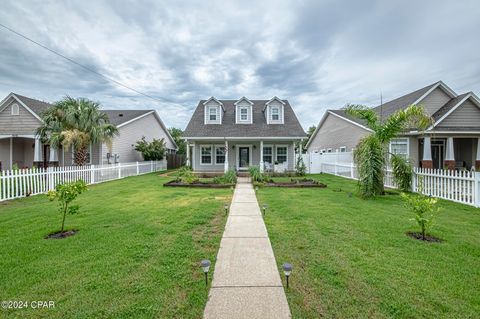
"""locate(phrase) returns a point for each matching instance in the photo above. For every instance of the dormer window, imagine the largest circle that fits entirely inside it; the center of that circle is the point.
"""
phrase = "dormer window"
(243, 114)
(213, 111)
(275, 113)
(244, 111)
(15, 109)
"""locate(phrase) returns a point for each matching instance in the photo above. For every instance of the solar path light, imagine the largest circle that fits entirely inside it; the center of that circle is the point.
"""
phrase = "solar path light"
(265, 206)
(225, 206)
(287, 269)
(205, 264)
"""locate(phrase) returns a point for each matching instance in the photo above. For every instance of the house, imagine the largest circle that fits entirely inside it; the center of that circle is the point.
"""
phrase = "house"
(20, 116)
(236, 134)
(452, 141)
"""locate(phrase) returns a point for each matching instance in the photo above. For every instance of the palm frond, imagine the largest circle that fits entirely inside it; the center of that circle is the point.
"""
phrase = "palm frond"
(364, 113)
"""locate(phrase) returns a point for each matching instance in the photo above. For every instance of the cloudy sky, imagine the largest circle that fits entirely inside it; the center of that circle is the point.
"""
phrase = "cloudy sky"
(318, 54)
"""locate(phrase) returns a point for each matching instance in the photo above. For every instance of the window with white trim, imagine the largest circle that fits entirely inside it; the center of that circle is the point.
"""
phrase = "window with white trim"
(212, 113)
(219, 154)
(281, 154)
(206, 154)
(399, 146)
(267, 154)
(275, 113)
(343, 149)
(244, 114)
(15, 109)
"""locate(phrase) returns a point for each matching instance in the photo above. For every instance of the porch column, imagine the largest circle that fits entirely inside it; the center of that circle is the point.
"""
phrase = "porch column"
(262, 168)
(37, 153)
(477, 158)
(53, 158)
(449, 161)
(193, 156)
(294, 156)
(225, 169)
(188, 153)
(427, 153)
(11, 152)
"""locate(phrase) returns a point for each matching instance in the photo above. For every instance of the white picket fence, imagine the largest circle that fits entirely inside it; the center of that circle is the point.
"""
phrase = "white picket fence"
(458, 186)
(33, 181)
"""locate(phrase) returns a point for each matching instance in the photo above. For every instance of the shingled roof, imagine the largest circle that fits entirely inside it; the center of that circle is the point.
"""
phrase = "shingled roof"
(116, 117)
(259, 128)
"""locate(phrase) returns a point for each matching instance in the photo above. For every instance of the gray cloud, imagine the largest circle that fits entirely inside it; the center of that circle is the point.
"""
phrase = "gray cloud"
(318, 54)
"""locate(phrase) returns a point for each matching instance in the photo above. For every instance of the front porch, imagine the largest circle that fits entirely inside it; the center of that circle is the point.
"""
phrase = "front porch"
(25, 151)
(239, 155)
(449, 152)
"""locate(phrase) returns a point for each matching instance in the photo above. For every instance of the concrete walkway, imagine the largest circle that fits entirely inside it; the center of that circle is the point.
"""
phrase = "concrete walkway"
(246, 282)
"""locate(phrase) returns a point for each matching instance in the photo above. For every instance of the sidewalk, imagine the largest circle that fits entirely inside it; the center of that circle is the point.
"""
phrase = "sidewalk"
(246, 282)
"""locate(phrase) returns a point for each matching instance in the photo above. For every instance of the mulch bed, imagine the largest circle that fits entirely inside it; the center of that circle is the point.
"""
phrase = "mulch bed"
(60, 235)
(296, 183)
(197, 184)
(418, 236)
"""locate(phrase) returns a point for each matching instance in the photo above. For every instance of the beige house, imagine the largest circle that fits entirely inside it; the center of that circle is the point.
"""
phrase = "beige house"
(20, 116)
(451, 142)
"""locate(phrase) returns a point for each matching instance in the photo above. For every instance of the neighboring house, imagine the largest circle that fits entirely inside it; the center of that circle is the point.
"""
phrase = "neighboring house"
(229, 134)
(20, 116)
(451, 142)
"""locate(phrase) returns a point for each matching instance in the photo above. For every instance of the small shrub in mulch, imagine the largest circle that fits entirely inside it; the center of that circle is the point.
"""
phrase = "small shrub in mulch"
(295, 183)
(428, 238)
(61, 234)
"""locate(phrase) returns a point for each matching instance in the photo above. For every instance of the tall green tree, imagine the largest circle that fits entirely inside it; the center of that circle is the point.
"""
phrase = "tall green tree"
(371, 153)
(78, 122)
(177, 134)
(310, 132)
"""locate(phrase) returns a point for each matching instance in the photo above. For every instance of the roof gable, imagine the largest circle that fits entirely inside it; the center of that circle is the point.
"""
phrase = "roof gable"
(454, 106)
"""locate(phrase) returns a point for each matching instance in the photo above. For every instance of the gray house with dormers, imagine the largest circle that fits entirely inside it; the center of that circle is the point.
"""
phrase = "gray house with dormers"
(237, 134)
(452, 141)
(20, 116)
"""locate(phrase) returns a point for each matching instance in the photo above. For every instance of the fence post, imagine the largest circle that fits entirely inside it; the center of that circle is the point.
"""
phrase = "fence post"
(151, 166)
(352, 168)
(476, 193)
(138, 169)
(50, 178)
(92, 174)
(119, 171)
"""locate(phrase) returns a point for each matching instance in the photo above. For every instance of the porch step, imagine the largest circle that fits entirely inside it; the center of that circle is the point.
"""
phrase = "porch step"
(243, 174)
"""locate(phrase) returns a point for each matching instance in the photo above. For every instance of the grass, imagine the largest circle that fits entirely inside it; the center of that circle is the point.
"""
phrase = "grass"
(352, 258)
(136, 254)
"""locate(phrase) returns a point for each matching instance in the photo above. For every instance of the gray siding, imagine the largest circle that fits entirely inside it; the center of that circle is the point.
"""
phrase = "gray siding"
(467, 114)
(413, 150)
(232, 154)
(123, 144)
(335, 133)
(434, 101)
(24, 123)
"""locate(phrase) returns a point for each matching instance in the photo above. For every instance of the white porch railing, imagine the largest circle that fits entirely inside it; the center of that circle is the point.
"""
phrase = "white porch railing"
(33, 181)
(458, 186)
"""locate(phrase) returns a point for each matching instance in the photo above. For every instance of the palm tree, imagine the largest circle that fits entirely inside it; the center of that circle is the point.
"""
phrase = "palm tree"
(78, 122)
(371, 153)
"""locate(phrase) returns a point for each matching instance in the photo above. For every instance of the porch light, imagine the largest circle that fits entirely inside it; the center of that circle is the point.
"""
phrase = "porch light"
(287, 269)
(265, 206)
(205, 264)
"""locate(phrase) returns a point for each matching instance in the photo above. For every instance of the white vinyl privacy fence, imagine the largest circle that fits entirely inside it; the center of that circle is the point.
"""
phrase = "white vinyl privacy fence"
(458, 186)
(26, 182)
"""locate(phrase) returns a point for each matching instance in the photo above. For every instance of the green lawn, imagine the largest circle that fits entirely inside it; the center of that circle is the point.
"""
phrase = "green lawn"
(136, 254)
(352, 258)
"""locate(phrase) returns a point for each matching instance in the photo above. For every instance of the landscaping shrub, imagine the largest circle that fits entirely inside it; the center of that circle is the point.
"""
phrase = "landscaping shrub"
(66, 194)
(186, 175)
(255, 173)
(402, 172)
(230, 177)
(151, 151)
(425, 210)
